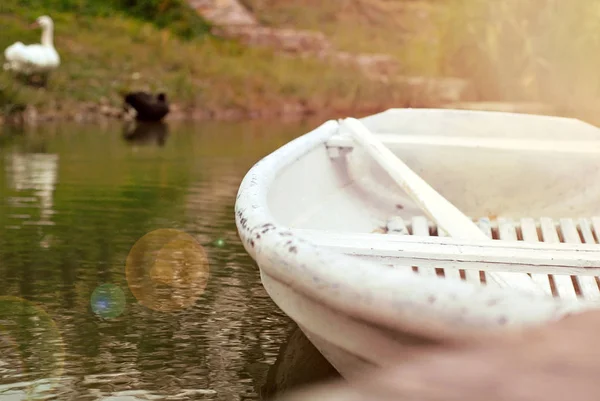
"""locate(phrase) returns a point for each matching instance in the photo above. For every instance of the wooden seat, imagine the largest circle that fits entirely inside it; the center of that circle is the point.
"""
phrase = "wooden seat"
(566, 263)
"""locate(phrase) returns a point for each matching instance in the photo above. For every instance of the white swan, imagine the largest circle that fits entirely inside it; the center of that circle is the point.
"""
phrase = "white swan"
(37, 58)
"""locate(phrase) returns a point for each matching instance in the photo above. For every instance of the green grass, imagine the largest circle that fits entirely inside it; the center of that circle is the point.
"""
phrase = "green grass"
(510, 50)
(172, 14)
(102, 55)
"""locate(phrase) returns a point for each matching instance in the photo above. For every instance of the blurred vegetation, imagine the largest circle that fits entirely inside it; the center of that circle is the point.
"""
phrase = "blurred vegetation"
(102, 55)
(510, 50)
(172, 14)
(525, 49)
(11, 100)
(513, 50)
(404, 29)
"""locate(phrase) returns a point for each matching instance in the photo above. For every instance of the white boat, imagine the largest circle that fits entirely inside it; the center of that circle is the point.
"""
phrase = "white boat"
(359, 250)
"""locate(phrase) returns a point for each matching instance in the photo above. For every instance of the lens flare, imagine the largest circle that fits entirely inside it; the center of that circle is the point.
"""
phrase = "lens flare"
(108, 301)
(167, 270)
(32, 337)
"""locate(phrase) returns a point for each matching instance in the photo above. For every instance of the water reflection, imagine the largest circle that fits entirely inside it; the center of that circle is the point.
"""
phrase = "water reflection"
(298, 364)
(141, 132)
(34, 173)
(101, 198)
(32, 349)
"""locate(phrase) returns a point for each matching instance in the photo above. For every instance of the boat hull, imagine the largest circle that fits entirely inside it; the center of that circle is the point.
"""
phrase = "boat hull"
(358, 312)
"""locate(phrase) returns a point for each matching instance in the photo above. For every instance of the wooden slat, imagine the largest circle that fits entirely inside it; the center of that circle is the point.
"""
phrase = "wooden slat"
(550, 258)
(485, 225)
(506, 229)
(587, 229)
(585, 225)
(420, 228)
(529, 232)
(565, 285)
(562, 283)
(474, 276)
(507, 232)
(449, 272)
(433, 204)
(596, 227)
(397, 226)
(587, 284)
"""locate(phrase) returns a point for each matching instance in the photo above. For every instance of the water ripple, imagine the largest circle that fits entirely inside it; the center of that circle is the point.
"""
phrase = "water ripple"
(71, 215)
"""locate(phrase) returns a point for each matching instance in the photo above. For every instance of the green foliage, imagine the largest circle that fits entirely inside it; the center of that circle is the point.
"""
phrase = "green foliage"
(524, 49)
(10, 96)
(175, 15)
(532, 50)
(105, 51)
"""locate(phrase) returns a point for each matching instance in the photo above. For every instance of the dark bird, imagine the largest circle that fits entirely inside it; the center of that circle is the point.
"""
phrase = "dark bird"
(147, 107)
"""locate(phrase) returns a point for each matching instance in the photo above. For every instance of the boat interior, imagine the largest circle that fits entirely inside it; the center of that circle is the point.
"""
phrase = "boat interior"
(518, 177)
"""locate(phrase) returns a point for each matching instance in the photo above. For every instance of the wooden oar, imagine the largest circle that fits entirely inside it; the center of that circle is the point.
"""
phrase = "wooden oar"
(438, 208)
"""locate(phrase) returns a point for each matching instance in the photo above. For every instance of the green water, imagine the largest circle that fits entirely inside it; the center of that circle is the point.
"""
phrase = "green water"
(75, 200)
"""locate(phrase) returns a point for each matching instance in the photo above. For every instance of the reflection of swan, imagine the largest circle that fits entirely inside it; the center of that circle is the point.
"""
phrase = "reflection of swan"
(144, 132)
(35, 171)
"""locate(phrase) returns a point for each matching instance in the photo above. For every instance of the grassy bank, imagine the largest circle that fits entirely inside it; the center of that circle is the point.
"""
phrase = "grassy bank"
(403, 29)
(510, 50)
(104, 53)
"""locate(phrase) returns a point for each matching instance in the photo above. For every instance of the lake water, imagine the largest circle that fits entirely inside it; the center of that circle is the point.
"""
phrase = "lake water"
(78, 202)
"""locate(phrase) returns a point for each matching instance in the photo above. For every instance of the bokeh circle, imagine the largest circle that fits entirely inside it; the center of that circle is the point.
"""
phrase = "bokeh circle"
(32, 345)
(167, 270)
(108, 301)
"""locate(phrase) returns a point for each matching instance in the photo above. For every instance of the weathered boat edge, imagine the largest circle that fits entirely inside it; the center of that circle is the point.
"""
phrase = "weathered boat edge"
(301, 277)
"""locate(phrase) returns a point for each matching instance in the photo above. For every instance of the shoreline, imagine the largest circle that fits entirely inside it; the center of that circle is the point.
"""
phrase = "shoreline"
(103, 112)
(98, 113)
